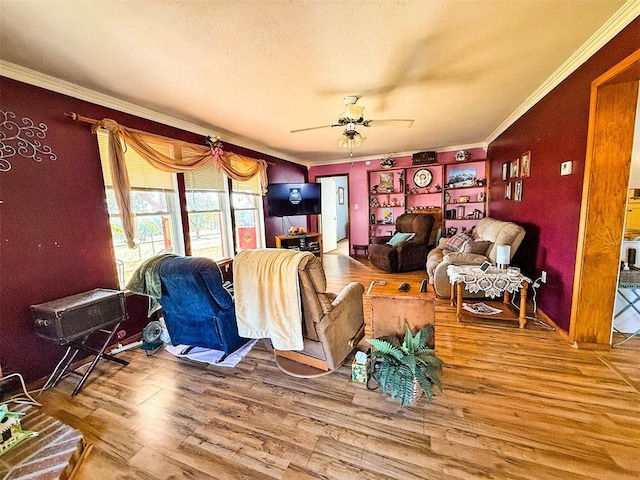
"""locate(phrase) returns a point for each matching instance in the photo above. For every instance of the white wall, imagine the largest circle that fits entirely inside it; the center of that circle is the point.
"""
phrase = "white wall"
(628, 321)
(634, 179)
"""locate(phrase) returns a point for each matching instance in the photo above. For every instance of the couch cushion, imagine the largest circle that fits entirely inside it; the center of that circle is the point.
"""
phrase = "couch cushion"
(499, 233)
(478, 247)
(457, 242)
(400, 237)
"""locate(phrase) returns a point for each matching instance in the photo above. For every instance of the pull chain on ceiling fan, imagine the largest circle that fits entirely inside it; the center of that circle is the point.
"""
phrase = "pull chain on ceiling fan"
(350, 119)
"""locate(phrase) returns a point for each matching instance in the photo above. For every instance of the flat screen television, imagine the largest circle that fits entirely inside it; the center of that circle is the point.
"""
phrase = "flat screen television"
(287, 199)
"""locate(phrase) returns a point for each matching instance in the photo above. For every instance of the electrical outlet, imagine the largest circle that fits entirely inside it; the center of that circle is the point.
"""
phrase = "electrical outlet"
(543, 276)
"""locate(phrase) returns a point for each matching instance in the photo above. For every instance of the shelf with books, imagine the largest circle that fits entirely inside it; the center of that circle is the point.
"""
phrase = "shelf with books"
(465, 195)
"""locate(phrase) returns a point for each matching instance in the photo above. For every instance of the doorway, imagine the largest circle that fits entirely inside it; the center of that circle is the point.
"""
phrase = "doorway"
(612, 117)
(334, 222)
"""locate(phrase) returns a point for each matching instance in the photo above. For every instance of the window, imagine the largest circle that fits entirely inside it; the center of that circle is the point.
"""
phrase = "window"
(208, 211)
(156, 205)
(154, 198)
(248, 214)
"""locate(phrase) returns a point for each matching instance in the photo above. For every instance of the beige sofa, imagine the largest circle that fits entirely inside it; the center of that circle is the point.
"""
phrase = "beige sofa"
(480, 247)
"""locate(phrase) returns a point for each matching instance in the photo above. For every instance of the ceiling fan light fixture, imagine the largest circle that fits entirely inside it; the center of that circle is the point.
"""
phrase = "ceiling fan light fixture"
(350, 139)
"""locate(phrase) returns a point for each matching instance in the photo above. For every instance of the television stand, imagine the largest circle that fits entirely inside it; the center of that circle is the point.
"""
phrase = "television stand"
(309, 242)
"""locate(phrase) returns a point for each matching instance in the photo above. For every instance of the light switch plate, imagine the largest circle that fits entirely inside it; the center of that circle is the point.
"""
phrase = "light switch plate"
(565, 168)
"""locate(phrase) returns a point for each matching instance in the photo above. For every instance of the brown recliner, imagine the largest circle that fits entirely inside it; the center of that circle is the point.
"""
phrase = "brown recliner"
(407, 255)
(332, 325)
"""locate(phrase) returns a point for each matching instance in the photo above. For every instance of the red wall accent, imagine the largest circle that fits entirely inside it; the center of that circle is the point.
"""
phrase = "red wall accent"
(358, 188)
(554, 130)
(55, 238)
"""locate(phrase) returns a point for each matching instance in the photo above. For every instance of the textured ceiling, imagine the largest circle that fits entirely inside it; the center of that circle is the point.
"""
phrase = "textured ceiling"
(252, 71)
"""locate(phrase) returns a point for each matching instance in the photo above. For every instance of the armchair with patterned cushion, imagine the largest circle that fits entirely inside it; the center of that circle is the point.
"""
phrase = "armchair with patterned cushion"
(407, 249)
(474, 249)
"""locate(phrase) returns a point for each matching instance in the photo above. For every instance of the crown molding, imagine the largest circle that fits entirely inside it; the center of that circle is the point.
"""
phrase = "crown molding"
(623, 17)
(32, 77)
(368, 158)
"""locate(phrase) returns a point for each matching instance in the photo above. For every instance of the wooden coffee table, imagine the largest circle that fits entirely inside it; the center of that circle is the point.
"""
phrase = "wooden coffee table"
(390, 309)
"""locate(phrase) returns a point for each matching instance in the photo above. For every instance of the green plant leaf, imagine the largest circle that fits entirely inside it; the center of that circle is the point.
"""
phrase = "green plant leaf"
(431, 373)
(385, 348)
(410, 361)
(429, 358)
(425, 384)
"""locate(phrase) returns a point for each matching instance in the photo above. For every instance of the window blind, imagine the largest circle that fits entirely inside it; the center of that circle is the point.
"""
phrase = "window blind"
(208, 178)
(141, 173)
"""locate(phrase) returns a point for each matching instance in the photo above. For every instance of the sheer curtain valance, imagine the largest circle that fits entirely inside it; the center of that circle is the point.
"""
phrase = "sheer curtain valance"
(184, 157)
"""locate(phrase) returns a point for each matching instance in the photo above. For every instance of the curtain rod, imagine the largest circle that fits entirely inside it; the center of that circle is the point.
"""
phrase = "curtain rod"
(79, 118)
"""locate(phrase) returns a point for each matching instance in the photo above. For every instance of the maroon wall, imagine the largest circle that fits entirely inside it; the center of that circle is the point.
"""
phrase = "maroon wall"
(55, 238)
(555, 131)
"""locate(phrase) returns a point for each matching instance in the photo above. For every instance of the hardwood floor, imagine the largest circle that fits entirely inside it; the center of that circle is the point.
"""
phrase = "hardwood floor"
(516, 404)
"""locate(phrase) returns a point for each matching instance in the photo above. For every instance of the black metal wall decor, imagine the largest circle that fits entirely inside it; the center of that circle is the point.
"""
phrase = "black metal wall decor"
(23, 140)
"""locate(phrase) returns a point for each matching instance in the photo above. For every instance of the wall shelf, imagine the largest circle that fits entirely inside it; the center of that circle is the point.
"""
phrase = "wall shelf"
(428, 199)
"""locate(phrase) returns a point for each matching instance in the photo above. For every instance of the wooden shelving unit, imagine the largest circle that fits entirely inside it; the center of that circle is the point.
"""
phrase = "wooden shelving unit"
(457, 205)
(394, 191)
(465, 196)
(310, 242)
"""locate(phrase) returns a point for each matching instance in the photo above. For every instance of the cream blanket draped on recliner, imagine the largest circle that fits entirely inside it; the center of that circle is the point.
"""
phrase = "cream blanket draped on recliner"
(268, 296)
(282, 295)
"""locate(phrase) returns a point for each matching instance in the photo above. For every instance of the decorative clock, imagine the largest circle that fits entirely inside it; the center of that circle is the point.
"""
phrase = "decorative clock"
(422, 178)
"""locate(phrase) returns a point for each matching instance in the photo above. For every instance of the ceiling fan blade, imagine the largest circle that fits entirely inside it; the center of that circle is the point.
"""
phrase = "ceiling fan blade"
(388, 123)
(314, 128)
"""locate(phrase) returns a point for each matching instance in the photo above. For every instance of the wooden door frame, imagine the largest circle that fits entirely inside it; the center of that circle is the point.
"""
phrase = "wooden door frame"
(612, 112)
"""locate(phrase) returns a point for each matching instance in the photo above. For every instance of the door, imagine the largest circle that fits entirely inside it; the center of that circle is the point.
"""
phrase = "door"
(329, 216)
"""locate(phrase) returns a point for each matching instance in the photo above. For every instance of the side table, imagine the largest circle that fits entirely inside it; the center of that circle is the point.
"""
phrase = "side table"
(493, 282)
(363, 248)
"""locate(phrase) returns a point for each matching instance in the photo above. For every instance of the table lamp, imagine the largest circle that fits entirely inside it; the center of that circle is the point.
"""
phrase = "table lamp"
(503, 256)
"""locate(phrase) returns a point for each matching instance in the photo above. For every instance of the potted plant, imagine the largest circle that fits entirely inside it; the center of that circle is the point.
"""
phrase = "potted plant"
(408, 369)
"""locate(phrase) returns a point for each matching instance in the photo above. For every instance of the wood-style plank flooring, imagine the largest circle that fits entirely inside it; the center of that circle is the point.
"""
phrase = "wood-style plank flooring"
(516, 404)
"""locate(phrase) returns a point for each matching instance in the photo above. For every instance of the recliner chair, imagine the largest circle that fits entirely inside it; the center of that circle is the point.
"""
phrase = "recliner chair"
(198, 310)
(332, 325)
(405, 255)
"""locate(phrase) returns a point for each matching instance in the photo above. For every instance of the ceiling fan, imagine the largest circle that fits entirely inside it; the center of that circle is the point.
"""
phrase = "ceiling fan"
(351, 118)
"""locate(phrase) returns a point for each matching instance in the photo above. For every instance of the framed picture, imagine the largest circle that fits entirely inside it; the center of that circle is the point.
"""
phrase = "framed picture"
(387, 215)
(517, 194)
(340, 196)
(514, 171)
(386, 183)
(525, 166)
(507, 191)
(461, 177)
(505, 171)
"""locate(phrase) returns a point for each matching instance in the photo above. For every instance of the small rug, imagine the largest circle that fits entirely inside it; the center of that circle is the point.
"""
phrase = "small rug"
(207, 355)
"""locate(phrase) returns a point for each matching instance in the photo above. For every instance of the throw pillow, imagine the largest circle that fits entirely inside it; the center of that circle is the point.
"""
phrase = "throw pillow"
(400, 237)
(479, 247)
(457, 242)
